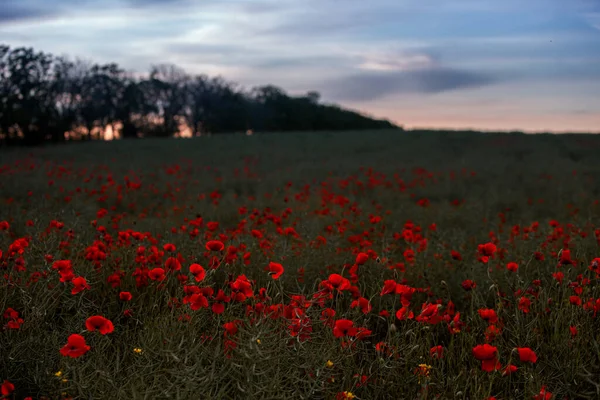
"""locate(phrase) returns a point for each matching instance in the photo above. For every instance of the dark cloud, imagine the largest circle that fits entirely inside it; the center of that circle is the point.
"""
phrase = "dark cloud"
(374, 85)
(12, 11)
(18, 10)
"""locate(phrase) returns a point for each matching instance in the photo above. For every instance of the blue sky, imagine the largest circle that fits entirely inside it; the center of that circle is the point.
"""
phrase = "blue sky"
(511, 64)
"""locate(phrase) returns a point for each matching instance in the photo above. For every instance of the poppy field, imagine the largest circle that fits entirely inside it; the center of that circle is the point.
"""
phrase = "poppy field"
(352, 265)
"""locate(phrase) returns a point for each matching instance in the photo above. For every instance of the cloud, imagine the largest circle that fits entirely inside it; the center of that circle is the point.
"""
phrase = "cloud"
(367, 86)
(19, 11)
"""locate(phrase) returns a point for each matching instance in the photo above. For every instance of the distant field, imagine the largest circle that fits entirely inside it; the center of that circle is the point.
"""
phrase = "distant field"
(362, 265)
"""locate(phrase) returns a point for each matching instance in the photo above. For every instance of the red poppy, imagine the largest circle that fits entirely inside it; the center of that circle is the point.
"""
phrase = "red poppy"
(275, 270)
(169, 247)
(215, 245)
(489, 315)
(212, 225)
(429, 314)
(230, 328)
(404, 313)
(486, 251)
(436, 351)
(573, 330)
(389, 287)
(241, 289)
(198, 301)
(157, 274)
(172, 264)
(344, 327)
(492, 332)
(510, 369)
(125, 296)
(79, 284)
(468, 284)
(7, 388)
(575, 300)
(98, 322)
(527, 355)
(524, 304)
(198, 271)
(544, 394)
(488, 355)
(363, 303)
(338, 282)
(75, 346)
(512, 266)
(361, 258)
(218, 306)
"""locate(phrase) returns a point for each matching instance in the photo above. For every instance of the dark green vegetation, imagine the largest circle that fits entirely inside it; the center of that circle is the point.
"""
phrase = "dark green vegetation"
(311, 202)
(42, 97)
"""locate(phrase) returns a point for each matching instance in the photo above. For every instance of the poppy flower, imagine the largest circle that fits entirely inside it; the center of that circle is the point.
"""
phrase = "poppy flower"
(169, 247)
(524, 304)
(404, 313)
(488, 355)
(218, 306)
(75, 346)
(389, 287)
(172, 264)
(338, 282)
(241, 289)
(429, 314)
(544, 394)
(198, 301)
(486, 251)
(468, 285)
(573, 330)
(510, 369)
(230, 328)
(344, 327)
(363, 303)
(157, 274)
(275, 270)
(575, 300)
(198, 271)
(436, 351)
(512, 266)
(214, 245)
(79, 285)
(125, 296)
(527, 355)
(7, 388)
(361, 258)
(406, 293)
(98, 322)
(489, 315)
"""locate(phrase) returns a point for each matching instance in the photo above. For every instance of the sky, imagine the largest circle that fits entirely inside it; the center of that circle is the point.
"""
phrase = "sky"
(493, 65)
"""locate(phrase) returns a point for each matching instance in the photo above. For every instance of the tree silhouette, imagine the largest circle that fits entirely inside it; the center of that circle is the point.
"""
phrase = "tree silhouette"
(44, 98)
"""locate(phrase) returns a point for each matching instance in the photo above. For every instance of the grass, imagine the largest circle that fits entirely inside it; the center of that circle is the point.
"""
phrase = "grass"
(405, 199)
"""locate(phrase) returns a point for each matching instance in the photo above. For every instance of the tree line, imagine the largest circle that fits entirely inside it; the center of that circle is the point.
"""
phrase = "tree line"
(45, 98)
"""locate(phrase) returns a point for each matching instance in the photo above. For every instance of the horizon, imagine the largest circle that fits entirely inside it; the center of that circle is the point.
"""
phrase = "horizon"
(455, 65)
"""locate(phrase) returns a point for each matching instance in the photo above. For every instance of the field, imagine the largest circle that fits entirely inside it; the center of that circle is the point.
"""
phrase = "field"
(401, 265)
